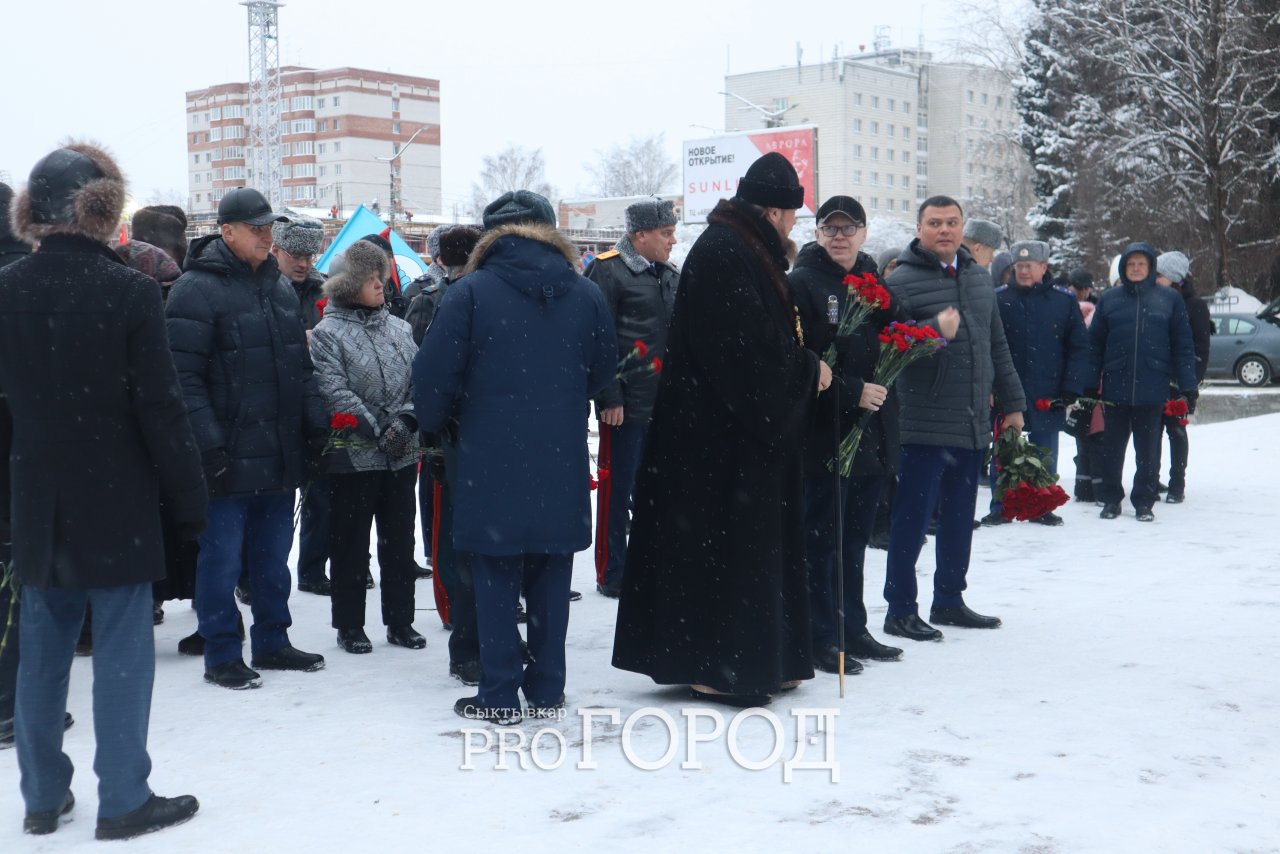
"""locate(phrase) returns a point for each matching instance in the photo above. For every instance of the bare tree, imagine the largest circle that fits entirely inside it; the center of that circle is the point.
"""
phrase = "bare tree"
(642, 168)
(167, 197)
(513, 168)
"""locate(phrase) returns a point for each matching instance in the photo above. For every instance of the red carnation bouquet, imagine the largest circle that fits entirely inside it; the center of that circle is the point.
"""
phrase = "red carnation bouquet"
(1025, 487)
(865, 295)
(340, 438)
(1177, 409)
(900, 345)
(636, 362)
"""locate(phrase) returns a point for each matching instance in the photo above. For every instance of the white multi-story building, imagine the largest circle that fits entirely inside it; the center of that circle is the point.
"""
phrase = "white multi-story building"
(335, 125)
(894, 127)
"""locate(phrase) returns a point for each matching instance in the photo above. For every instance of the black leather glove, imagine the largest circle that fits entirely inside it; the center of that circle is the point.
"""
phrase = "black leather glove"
(1068, 397)
(217, 470)
(398, 439)
(1192, 397)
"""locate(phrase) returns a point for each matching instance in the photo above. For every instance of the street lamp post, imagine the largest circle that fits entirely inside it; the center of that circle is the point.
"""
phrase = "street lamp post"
(394, 177)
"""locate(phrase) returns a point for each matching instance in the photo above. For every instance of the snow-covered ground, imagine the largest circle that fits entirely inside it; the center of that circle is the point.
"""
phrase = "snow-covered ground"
(1129, 704)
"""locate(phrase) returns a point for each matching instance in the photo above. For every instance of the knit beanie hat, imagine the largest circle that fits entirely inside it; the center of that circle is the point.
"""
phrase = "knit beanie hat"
(771, 182)
(1174, 266)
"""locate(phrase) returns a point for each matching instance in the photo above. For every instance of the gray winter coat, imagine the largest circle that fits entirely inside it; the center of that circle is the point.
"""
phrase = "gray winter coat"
(364, 360)
(944, 398)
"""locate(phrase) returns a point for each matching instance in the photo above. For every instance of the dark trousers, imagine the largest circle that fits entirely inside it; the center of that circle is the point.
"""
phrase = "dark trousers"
(9, 657)
(254, 532)
(453, 568)
(1179, 451)
(546, 585)
(356, 501)
(1142, 423)
(426, 505)
(1047, 439)
(313, 533)
(620, 451)
(860, 497)
(1089, 467)
(929, 477)
(124, 663)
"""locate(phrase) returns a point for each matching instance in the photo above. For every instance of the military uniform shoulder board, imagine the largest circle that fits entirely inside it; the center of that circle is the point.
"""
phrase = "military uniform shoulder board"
(604, 256)
(431, 288)
(1002, 288)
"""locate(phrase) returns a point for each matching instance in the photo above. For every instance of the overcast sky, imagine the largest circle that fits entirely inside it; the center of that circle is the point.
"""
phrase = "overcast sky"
(567, 76)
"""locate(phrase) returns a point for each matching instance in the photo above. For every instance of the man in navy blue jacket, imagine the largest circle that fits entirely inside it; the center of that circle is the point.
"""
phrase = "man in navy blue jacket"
(1050, 349)
(517, 349)
(1140, 350)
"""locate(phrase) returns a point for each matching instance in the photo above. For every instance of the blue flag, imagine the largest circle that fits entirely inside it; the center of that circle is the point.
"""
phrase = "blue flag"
(363, 223)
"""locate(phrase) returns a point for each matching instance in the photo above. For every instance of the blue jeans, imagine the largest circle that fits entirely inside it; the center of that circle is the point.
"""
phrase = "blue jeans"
(497, 587)
(259, 527)
(620, 451)
(313, 535)
(1045, 439)
(930, 476)
(124, 664)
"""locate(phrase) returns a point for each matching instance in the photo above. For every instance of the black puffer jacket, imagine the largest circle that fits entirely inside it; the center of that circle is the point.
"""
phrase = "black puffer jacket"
(241, 355)
(815, 278)
(640, 298)
(944, 397)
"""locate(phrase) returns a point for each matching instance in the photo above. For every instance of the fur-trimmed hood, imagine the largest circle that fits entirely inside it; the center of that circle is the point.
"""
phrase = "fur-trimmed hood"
(95, 207)
(533, 258)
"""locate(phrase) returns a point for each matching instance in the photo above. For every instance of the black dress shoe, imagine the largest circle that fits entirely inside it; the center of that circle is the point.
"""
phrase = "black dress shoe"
(1053, 520)
(192, 644)
(1160, 487)
(610, 589)
(911, 627)
(466, 672)
(234, 675)
(575, 596)
(288, 658)
(866, 647)
(244, 594)
(354, 641)
(320, 586)
(737, 701)
(994, 518)
(1174, 497)
(368, 582)
(1110, 511)
(555, 711)
(421, 571)
(157, 613)
(521, 616)
(467, 707)
(156, 814)
(1144, 514)
(42, 823)
(7, 736)
(963, 617)
(406, 637)
(828, 661)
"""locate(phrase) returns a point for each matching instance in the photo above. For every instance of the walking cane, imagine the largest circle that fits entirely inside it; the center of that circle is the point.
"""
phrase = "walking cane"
(833, 318)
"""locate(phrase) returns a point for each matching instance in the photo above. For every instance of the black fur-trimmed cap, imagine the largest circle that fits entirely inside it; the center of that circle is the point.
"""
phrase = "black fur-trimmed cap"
(518, 206)
(772, 182)
(77, 189)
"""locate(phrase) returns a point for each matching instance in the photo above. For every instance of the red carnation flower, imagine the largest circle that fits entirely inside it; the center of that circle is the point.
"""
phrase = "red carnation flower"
(1044, 404)
(641, 348)
(343, 421)
(321, 304)
(657, 365)
(1176, 408)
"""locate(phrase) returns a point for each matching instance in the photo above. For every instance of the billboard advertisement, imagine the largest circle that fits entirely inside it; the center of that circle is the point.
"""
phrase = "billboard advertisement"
(713, 166)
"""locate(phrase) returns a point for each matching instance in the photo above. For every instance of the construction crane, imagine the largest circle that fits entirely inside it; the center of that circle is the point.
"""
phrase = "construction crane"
(264, 96)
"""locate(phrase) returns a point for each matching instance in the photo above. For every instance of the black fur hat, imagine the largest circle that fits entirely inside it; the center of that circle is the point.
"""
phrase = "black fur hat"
(771, 182)
(77, 189)
(456, 244)
(156, 225)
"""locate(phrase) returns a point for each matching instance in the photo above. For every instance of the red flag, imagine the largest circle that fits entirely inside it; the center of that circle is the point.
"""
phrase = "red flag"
(385, 234)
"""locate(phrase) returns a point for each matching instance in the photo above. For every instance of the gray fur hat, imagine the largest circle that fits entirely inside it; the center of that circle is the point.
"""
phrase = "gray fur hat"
(984, 231)
(1030, 250)
(361, 261)
(1174, 266)
(298, 234)
(650, 214)
(433, 239)
(77, 189)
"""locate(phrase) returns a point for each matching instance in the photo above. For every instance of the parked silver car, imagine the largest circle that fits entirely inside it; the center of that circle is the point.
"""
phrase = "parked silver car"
(1245, 347)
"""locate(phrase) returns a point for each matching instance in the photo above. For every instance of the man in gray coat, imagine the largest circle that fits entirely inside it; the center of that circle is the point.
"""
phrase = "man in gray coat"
(945, 401)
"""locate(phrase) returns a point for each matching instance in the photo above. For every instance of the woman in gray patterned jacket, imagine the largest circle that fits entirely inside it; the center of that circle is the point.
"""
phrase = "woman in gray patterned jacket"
(363, 359)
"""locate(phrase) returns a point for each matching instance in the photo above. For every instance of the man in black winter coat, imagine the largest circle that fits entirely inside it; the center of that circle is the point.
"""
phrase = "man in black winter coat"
(818, 277)
(241, 354)
(95, 443)
(295, 242)
(1173, 271)
(639, 284)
